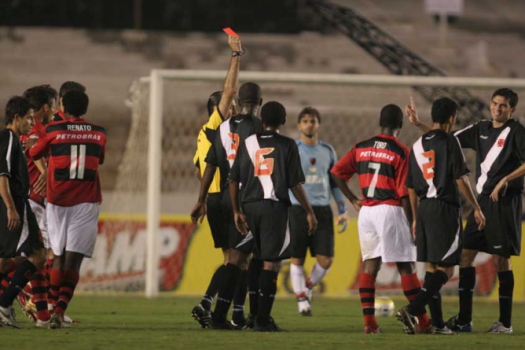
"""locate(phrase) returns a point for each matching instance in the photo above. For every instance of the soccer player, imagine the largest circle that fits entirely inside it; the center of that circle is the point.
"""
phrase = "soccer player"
(384, 214)
(221, 155)
(317, 159)
(19, 232)
(64, 89)
(76, 149)
(268, 165)
(437, 170)
(219, 109)
(500, 151)
(43, 101)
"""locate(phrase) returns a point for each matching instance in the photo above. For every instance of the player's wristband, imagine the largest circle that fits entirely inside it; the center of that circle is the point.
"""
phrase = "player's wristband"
(342, 208)
(238, 53)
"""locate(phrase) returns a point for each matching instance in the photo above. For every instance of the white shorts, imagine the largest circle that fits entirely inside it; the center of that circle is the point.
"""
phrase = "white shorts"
(73, 229)
(41, 219)
(384, 232)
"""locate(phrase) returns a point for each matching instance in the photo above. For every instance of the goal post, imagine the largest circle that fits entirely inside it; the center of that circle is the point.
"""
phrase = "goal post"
(170, 104)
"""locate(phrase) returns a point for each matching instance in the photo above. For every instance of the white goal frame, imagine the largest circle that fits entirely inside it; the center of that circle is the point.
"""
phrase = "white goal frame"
(155, 125)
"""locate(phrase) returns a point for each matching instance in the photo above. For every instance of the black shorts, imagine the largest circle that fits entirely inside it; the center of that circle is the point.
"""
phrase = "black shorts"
(26, 239)
(268, 222)
(218, 220)
(322, 242)
(502, 232)
(438, 233)
(236, 240)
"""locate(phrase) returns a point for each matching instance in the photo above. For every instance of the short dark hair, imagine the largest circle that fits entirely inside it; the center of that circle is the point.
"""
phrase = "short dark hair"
(391, 117)
(40, 95)
(273, 114)
(71, 86)
(16, 105)
(250, 93)
(309, 111)
(75, 103)
(509, 95)
(213, 101)
(442, 109)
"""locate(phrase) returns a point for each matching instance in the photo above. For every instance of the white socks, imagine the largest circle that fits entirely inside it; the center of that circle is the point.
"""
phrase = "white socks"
(298, 280)
(317, 275)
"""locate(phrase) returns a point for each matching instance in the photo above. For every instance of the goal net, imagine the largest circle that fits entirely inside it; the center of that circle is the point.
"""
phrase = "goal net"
(145, 232)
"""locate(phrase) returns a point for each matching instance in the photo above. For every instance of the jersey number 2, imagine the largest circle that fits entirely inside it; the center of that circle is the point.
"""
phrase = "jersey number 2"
(78, 162)
(428, 168)
(263, 167)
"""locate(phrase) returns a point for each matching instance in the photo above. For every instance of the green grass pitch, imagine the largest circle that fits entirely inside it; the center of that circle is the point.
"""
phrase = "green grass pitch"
(165, 323)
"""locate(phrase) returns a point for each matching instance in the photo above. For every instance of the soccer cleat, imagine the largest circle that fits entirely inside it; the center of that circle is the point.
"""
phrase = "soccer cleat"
(499, 328)
(55, 322)
(426, 330)
(250, 321)
(239, 326)
(7, 316)
(201, 315)
(442, 331)
(68, 322)
(43, 324)
(223, 326)
(306, 313)
(28, 307)
(370, 330)
(270, 327)
(455, 325)
(409, 321)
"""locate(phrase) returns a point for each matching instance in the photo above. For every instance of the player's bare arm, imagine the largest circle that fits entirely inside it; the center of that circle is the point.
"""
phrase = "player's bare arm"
(466, 190)
(239, 217)
(199, 211)
(300, 195)
(343, 186)
(40, 185)
(407, 208)
(13, 220)
(232, 78)
(342, 219)
(411, 113)
(414, 204)
(501, 187)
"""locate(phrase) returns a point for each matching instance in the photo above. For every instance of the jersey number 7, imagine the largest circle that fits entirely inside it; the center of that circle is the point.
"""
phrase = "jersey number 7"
(264, 167)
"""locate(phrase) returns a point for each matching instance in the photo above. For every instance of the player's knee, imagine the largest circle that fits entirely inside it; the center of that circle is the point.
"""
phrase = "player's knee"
(272, 266)
(467, 258)
(406, 268)
(371, 267)
(297, 261)
(325, 261)
(501, 263)
(38, 258)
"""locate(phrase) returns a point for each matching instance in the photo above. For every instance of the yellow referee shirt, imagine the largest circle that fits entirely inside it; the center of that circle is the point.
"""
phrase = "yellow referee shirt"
(204, 144)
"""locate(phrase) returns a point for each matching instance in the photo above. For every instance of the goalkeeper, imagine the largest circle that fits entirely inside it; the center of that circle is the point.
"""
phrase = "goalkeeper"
(317, 159)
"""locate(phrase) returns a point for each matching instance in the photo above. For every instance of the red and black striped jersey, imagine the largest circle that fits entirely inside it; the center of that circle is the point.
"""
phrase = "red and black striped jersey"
(59, 116)
(76, 148)
(381, 163)
(36, 132)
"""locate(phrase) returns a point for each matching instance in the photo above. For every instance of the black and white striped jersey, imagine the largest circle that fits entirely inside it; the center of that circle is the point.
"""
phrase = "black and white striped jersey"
(499, 151)
(436, 161)
(230, 135)
(267, 165)
(13, 164)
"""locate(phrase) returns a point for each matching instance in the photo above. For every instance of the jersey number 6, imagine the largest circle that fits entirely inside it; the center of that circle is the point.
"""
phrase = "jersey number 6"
(428, 168)
(263, 167)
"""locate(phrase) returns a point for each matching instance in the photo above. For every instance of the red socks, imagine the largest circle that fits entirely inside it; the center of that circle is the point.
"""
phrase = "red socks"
(367, 292)
(67, 289)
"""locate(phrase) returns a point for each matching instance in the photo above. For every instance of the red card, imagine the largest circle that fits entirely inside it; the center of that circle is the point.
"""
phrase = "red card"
(230, 32)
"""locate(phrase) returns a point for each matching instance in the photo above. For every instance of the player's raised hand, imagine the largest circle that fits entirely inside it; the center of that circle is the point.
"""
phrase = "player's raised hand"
(480, 218)
(500, 187)
(198, 212)
(40, 185)
(411, 112)
(240, 223)
(235, 43)
(312, 223)
(357, 203)
(13, 219)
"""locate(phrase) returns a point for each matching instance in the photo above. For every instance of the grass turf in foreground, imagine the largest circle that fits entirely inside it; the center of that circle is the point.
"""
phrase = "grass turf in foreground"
(138, 323)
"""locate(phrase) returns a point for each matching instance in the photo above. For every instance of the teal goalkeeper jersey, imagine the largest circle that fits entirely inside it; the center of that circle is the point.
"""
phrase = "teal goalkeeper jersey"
(317, 161)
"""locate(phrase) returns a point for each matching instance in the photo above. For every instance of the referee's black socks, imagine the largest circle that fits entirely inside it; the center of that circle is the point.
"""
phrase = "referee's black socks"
(506, 289)
(434, 304)
(254, 271)
(467, 282)
(267, 290)
(431, 287)
(213, 288)
(226, 291)
(25, 270)
(240, 298)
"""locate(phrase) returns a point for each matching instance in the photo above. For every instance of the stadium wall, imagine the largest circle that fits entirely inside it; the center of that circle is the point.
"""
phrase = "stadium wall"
(188, 259)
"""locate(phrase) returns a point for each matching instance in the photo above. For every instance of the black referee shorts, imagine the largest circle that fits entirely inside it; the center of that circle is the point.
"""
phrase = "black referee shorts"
(502, 232)
(268, 222)
(218, 220)
(26, 239)
(438, 233)
(322, 242)
(236, 240)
